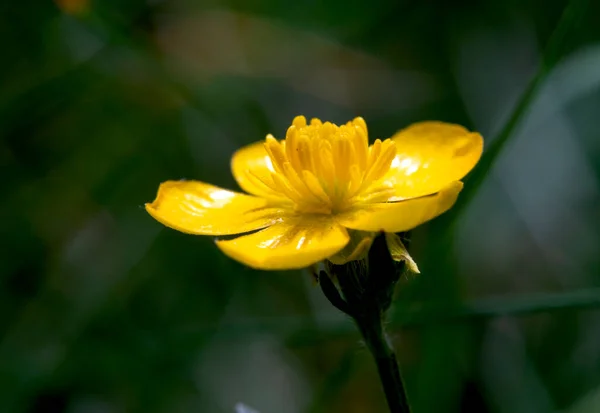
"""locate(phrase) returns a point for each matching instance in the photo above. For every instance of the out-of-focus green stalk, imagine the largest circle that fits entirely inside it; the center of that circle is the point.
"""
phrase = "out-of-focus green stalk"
(572, 14)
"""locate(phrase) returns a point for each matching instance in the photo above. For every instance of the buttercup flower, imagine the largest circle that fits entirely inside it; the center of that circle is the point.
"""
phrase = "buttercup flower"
(322, 192)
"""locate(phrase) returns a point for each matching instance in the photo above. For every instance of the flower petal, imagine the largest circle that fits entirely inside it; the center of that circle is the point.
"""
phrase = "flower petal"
(291, 244)
(399, 252)
(403, 215)
(250, 165)
(431, 155)
(199, 208)
(356, 249)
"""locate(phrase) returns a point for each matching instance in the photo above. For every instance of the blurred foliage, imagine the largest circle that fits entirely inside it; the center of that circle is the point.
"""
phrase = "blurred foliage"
(103, 310)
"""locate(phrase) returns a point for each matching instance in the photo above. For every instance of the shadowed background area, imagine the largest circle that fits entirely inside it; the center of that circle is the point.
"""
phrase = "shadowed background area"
(103, 310)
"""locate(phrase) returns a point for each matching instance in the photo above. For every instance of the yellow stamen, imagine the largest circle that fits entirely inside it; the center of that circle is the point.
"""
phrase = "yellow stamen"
(326, 169)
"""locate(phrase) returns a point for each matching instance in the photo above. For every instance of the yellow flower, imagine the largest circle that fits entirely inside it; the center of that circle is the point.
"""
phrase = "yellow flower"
(321, 181)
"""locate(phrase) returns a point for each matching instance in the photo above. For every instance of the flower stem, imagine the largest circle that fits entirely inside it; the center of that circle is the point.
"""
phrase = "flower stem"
(364, 291)
(387, 365)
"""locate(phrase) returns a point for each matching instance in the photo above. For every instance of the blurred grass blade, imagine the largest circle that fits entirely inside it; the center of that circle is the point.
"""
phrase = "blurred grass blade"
(496, 307)
(242, 408)
(589, 403)
(571, 16)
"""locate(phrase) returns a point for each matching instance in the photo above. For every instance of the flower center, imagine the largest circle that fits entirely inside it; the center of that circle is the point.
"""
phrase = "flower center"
(324, 168)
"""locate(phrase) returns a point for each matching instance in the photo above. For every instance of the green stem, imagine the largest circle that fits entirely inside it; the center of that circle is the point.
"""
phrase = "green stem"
(387, 364)
(365, 293)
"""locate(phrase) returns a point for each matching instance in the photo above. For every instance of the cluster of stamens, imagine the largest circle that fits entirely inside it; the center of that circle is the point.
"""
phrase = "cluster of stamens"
(324, 168)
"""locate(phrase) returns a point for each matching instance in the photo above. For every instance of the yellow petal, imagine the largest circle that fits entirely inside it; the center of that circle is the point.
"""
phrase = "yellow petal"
(356, 249)
(399, 252)
(431, 155)
(291, 244)
(199, 208)
(250, 165)
(403, 215)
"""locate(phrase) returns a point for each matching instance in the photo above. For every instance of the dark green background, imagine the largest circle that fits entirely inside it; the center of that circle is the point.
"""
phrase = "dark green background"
(102, 310)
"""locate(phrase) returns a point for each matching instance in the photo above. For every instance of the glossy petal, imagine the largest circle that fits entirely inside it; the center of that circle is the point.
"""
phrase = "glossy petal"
(431, 155)
(403, 215)
(290, 244)
(251, 164)
(356, 249)
(198, 208)
(399, 252)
